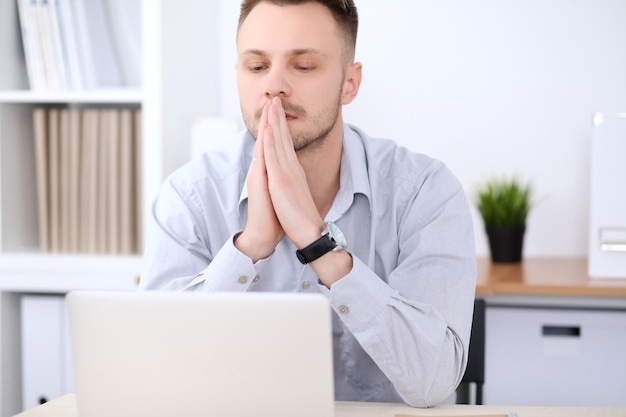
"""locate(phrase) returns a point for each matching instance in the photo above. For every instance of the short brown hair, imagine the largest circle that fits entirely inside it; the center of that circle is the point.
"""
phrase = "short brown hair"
(344, 12)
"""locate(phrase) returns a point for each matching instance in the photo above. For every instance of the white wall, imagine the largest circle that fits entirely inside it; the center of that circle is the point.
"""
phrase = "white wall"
(490, 87)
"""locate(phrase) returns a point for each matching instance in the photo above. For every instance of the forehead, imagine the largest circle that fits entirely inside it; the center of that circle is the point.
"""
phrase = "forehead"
(277, 29)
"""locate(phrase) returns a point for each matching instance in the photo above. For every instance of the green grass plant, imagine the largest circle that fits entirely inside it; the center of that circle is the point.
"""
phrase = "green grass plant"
(505, 202)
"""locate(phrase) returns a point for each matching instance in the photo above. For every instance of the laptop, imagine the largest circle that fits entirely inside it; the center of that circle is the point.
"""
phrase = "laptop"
(165, 354)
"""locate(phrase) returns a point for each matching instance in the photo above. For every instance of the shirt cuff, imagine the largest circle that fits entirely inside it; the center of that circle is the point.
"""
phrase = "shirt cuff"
(359, 297)
(231, 270)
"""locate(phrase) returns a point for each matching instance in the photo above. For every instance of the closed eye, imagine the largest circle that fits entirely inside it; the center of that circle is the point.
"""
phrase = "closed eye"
(257, 68)
(305, 68)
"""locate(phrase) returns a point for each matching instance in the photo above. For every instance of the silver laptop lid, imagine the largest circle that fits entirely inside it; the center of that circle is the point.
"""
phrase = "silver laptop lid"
(201, 354)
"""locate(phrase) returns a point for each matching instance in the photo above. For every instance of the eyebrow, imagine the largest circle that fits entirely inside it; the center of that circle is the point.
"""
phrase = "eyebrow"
(292, 52)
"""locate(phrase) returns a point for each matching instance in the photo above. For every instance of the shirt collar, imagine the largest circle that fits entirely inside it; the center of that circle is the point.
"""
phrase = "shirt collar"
(248, 154)
(353, 175)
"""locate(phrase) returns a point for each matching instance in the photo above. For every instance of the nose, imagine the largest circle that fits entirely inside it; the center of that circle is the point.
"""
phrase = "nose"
(277, 84)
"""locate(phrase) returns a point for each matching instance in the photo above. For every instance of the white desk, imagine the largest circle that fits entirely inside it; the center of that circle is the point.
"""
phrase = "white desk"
(66, 407)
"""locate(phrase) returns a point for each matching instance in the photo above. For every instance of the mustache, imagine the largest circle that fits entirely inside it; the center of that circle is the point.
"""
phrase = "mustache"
(292, 109)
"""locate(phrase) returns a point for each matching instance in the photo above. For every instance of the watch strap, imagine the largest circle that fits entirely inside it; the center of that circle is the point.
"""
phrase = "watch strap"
(315, 250)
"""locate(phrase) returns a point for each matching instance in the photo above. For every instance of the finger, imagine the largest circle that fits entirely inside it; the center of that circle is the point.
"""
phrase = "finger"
(269, 149)
(258, 149)
(264, 116)
(282, 121)
(283, 127)
(281, 144)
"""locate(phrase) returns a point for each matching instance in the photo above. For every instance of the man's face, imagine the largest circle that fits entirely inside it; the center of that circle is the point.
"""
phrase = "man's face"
(294, 52)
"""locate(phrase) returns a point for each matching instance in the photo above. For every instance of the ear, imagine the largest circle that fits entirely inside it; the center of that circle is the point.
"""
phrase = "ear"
(351, 82)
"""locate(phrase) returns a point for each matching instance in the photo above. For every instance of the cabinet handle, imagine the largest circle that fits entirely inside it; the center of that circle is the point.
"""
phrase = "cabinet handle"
(613, 239)
(564, 331)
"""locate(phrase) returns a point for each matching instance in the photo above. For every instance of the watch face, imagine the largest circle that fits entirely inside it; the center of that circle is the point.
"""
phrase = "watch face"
(337, 235)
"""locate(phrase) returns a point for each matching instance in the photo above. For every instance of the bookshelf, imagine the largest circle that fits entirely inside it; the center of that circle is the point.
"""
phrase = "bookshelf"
(178, 86)
(19, 223)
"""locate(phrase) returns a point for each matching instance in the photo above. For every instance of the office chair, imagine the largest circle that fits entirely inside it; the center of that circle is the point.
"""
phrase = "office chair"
(474, 376)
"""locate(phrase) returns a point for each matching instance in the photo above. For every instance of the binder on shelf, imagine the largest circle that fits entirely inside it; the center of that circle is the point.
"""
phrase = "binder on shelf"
(70, 43)
(31, 44)
(126, 38)
(64, 180)
(113, 183)
(102, 172)
(88, 180)
(54, 35)
(53, 180)
(81, 44)
(607, 214)
(41, 164)
(138, 181)
(74, 163)
(75, 10)
(100, 41)
(103, 177)
(47, 47)
(90, 174)
(126, 205)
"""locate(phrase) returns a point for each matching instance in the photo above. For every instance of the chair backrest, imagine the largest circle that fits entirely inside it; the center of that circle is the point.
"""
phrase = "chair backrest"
(475, 371)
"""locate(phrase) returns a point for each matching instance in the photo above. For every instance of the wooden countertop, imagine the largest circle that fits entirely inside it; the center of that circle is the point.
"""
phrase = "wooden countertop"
(545, 276)
(66, 407)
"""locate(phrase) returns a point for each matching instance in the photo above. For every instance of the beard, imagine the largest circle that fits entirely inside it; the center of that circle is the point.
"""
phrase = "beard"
(316, 129)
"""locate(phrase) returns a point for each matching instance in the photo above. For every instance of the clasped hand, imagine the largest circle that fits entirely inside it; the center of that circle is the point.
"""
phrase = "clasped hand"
(279, 200)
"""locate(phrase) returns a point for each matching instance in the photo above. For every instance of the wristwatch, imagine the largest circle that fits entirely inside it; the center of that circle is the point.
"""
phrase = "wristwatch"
(332, 239)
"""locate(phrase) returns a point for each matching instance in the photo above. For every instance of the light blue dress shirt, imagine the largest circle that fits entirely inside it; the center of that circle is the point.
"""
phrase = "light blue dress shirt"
(402, 316)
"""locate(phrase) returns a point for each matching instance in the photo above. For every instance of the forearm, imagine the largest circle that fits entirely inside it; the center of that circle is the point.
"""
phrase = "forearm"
(418, 348)
(175, 262)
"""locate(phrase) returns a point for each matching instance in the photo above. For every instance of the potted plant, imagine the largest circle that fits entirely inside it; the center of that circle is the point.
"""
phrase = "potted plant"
(504, 204)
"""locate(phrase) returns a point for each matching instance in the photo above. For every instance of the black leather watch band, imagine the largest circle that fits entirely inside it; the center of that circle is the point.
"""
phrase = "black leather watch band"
(320, 247)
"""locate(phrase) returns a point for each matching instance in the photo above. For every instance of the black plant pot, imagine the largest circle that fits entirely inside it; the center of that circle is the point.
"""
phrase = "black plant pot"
(506, 243)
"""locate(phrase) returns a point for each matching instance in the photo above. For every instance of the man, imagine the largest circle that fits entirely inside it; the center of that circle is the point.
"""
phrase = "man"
(256, 218)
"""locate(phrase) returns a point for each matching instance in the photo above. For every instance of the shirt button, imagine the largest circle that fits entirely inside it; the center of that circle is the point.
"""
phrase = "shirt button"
(306, 285)
(256, 278)
(344, 310)
(243, 279)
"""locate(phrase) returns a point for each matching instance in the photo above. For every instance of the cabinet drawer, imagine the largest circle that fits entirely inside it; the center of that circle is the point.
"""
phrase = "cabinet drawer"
(557, 357)
(46, 359)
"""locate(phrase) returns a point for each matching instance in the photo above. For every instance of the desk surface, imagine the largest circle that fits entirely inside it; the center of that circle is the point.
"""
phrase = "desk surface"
(66, 407)
(545, 276)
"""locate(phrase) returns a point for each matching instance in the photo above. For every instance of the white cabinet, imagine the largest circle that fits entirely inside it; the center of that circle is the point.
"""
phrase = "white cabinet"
(555, 356)
(46, 364)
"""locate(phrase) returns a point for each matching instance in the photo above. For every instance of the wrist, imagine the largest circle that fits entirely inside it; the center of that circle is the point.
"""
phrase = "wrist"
(253, 249)
(331, 239)
(332, 267)
(308, 235)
